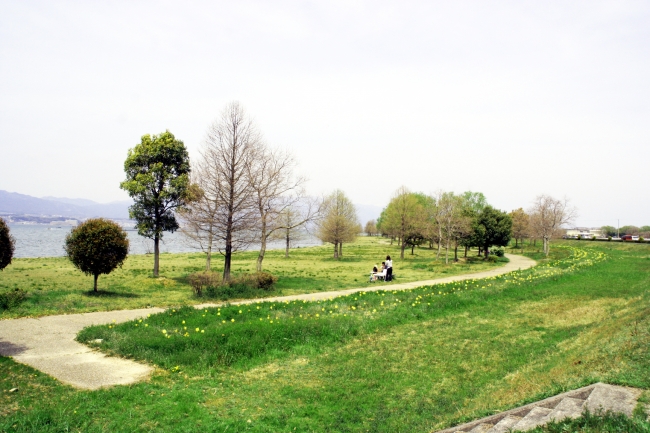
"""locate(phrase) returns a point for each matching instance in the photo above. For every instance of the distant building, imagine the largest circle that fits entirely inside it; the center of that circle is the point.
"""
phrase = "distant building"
(72, 223)
(584, 232)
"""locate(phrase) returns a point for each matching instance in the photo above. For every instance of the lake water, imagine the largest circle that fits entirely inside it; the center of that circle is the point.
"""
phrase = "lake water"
(36, 240)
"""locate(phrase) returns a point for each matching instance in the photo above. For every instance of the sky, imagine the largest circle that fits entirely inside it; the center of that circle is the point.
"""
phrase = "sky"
(511, 99)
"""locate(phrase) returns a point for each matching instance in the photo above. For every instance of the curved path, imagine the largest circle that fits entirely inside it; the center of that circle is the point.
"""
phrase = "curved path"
(48, 343)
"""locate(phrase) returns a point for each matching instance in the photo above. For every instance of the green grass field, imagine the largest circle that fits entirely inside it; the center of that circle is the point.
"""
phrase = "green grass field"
(410, 361)
(54, 286)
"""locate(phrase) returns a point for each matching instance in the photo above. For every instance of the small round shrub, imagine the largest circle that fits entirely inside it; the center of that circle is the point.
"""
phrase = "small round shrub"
(609, 238)
(97, 246)
(499, 252)
(7, 245)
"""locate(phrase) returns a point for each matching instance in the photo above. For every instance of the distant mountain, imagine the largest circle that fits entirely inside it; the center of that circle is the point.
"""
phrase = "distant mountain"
(74, 201)
(15, 203)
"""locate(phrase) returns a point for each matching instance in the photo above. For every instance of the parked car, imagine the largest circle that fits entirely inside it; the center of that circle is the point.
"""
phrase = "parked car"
(628, 238)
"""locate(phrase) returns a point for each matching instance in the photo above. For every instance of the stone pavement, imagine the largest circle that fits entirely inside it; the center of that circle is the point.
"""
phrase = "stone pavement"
(48, 343)
(571, 404)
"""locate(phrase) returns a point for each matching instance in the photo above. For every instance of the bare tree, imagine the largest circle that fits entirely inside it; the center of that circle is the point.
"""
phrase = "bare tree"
(548, 215)
(231, 144)
(291, 222)
(436, 215)
(451, 220)
(198, 218)
(275, 190)
(339, 222)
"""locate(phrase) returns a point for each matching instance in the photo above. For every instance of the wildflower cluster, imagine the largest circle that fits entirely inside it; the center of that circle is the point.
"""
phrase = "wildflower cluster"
(231, 332)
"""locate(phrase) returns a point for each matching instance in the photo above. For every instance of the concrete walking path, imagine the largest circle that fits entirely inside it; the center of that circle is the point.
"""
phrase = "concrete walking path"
(48, 343)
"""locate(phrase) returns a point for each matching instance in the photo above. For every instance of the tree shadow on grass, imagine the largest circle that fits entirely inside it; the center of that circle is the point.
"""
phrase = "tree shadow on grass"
(110, 294)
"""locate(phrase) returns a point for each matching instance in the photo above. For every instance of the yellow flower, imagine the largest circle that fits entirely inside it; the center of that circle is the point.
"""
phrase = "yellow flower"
(183, 322)
(197, 329)
(232, 320)
(164, 331)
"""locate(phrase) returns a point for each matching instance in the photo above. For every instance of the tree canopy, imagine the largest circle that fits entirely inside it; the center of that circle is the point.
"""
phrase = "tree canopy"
(97, 246)
(492, 227)
(157, 178)
(7, 245)
(339, 222)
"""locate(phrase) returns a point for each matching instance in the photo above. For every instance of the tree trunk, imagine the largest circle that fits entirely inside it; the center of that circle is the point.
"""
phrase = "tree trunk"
(439, 242)
(447, 253)
(260, 256)
(286, 250)
(412, 248)
(336, 250)
(95, 288)
(208, 258)
(466, 248)
(486, 249)
(546, 249)
(516, 243)
(402, 251)
(156, 254)
(456, 252)
(340, 249)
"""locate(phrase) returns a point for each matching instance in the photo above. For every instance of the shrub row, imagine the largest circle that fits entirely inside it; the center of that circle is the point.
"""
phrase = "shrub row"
(211, 285)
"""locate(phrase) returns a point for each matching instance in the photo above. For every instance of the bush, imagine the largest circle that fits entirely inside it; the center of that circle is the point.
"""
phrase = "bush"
(97, 246)
(498, 252)
(609, 238)
(244, 286)
(593, 238)
(7, 245)
(202, 280)
(12, 298)
(641, 239)
(492, 258)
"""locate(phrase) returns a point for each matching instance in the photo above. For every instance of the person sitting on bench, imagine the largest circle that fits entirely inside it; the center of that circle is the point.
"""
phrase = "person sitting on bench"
(380, 275)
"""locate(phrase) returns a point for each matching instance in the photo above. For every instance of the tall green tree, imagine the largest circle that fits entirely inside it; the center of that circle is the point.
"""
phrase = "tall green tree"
(492, 227)
(157, 178)
(97, 246)
(7, 245)
(404, 217)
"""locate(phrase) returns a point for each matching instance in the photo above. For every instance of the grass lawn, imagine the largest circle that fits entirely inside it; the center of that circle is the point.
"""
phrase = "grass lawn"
(411, 361)
(55, 286)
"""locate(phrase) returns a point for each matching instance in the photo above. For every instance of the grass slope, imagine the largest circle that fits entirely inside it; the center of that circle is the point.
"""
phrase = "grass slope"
(56, 287)
(408, 361)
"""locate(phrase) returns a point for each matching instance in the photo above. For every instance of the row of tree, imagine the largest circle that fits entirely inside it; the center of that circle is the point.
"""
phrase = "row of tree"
(643, 231)
(466, 220)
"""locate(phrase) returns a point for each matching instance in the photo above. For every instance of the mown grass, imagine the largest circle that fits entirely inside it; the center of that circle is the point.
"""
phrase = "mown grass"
(408, 361)
(54, 286)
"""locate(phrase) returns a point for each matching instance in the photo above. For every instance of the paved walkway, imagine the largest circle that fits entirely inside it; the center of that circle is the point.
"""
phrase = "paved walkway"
(48, 343)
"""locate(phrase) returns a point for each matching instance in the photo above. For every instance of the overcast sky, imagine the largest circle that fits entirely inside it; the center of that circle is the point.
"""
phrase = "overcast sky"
(512, 99)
